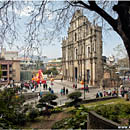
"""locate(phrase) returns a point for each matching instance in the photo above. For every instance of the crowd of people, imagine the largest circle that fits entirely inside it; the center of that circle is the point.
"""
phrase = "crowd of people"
(108, 92)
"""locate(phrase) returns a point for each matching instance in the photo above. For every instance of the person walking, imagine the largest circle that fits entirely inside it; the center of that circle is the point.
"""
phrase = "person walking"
(67, 91)
(75, 86)
(52, 92)
(87, 89)
(109, 92)
(49, 89)
(41, 93)
(61, 92)
(46, 86)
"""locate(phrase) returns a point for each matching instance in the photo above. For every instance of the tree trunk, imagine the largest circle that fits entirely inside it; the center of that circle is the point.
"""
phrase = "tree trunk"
(123, 23)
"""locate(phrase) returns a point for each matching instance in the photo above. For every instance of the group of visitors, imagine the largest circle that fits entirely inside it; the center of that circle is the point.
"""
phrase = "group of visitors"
(33, 85)
(45, 86)
(75, 86)
(64, 91)
(107, 93)
(51, 90)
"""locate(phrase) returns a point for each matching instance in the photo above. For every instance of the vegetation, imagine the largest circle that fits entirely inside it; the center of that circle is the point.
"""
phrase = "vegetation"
(119, 113)
(56, 110)
(75, 97)
(33, 114)
(47, 102)
(77, 121)
(11, 110)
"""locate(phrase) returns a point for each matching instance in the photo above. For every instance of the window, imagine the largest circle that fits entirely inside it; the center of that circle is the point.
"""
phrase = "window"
(88, 51)
(75, 36)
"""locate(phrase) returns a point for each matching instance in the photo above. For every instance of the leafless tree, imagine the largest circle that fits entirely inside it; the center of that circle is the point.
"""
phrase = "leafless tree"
(62, 11)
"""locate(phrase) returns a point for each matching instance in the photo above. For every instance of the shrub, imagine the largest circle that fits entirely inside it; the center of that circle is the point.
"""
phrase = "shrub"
(114, 112)
(56, 110)
(33, 114)
(77, 121)
(48, 98)
(75, 95)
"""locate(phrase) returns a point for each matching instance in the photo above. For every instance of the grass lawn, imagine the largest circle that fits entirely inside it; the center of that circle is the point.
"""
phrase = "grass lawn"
(106, 102)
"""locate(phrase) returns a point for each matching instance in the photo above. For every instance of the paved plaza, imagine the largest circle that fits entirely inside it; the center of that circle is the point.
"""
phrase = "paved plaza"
(58, 85)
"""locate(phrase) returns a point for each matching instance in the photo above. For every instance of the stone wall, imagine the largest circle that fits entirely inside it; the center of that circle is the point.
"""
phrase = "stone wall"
(111, 83)
(97, 99)
(96, 121)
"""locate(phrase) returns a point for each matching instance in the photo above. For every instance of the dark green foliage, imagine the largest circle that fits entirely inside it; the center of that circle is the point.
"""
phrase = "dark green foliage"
(53, 103)
(75, 103)
(75, 95)
(11, 109)
(43, 103)
(48, 98)
(114, 112)
(78, 121)
(56, 110)
(33, 114)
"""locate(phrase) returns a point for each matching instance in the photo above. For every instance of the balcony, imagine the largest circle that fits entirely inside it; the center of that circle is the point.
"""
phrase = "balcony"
(4, 69)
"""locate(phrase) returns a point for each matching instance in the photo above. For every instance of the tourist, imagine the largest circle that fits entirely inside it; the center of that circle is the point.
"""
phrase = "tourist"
(41, 93)
(49, 89)
(101, 94)
(86, 88)
(52, 92)
(104, 93)
(61, 79)
(97, 95)
(109, 92)
(61, 91)
(46, 86)
(67, 91)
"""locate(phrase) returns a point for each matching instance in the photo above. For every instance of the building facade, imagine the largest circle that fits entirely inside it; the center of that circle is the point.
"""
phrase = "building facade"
(10, 71)
(9, 55)
(55, 63)
(82, 51)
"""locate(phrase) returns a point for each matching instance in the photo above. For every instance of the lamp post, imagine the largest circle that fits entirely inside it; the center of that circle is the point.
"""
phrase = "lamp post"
(117, 81)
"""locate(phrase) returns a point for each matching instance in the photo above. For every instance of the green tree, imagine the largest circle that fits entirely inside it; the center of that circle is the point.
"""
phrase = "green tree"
(75, 95)
(46, 101)
(33, 114)
(11, 108)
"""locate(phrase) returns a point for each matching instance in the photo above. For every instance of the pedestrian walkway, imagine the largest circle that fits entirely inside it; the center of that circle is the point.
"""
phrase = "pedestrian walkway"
(69, 84)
